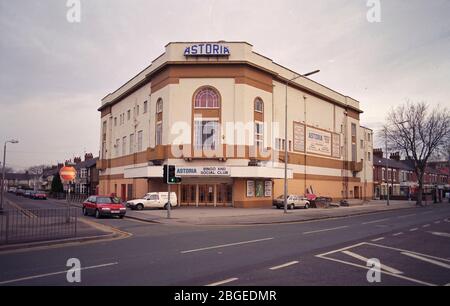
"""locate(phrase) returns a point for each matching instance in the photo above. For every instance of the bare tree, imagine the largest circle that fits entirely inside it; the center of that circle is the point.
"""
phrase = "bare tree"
(418, 133)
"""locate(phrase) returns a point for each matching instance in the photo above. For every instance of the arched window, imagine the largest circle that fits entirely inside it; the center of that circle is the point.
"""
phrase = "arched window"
(207, 97)
(159, 106)
(259, 105)
(159, 123)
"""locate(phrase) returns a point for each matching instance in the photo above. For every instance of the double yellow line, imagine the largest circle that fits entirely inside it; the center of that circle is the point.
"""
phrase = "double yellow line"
(24, 211)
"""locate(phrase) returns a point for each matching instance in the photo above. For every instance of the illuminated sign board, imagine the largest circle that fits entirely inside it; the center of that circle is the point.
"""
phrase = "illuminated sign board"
(202, 171)
(207, 50)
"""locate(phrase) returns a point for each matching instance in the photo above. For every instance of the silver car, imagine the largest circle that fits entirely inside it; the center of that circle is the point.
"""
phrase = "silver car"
(293, 201)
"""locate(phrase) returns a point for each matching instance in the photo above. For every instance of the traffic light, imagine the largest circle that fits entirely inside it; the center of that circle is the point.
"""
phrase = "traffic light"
(169, 176)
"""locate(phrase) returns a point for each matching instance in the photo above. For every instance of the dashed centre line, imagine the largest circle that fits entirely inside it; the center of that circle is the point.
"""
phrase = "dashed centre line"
(284, 265)
(325, 230)
(226, 281)
(375, 221)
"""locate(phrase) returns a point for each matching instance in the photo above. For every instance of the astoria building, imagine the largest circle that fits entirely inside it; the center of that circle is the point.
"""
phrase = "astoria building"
(216, 110)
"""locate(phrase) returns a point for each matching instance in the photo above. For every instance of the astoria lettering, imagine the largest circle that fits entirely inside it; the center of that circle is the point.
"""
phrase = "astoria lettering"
(207, 50)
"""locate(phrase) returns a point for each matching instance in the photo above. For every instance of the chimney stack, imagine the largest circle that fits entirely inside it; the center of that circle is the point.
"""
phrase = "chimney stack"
(88, 156)
(77, 160)
(395, 156)
(378, 153)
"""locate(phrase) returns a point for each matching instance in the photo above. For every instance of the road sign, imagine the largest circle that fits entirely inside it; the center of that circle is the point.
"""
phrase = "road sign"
(67, 174)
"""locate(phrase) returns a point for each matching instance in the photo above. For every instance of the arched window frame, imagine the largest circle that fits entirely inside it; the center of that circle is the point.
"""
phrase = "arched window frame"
(159, 106)
(259, 105)
(215, 104)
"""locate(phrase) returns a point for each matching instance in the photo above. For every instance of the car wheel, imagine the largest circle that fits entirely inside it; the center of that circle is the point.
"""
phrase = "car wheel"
(306, 206)
(97, 214)
(139, 207)
(85, 213)
(121, 217)
(167, 206)
(291, 207)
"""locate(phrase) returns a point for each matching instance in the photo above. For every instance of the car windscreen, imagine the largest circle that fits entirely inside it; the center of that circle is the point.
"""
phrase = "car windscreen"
(106, 200)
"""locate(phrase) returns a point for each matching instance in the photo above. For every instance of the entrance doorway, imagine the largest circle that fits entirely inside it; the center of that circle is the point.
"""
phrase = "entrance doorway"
(206, 195)
(356, 192)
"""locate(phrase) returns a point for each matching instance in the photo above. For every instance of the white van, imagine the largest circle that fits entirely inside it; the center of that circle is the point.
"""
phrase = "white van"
(154, 200)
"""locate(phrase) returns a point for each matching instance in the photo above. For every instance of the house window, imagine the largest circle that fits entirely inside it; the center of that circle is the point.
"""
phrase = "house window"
(116, 147)
(383, 174)
(362, 144)
(124, 145)
(137, 110)
(259, 135)
(159, 106)
(145, 107)
(115, 121)
(259, 105)
(369, 156)
(128, 114)
(159, 133)
(206, 134)
(131, 143)
(207, 97)
(83, 173)
(139, 141)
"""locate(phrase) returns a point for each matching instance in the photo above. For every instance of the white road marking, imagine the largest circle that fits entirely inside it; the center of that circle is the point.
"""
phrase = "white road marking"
(440, 234)
(413, 229)
(406, 216)
(426, 225)
(435, 262)
(384, 267)
(407, 251)
(343, 249)
(387, 273)
(375, 221)
(284, 266)
(226, 281)
(225, 245)
(437, 222)
(325, 230)
(54, 273)
(397, 234)
(378, 239)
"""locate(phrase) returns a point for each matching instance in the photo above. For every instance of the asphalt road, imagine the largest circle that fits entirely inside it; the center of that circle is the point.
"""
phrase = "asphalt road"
(413, 246)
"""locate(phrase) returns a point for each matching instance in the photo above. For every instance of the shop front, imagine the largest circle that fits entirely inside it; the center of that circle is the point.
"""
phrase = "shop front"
(217, 186)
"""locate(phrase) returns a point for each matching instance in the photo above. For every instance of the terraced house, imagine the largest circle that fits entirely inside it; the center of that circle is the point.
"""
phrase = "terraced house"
(216, 110)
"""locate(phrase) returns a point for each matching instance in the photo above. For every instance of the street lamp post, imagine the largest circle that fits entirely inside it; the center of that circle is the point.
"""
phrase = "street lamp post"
(285, 135)
(3, 172)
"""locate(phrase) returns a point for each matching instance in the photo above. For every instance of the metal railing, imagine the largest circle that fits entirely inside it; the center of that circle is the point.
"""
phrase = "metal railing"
(34, 225)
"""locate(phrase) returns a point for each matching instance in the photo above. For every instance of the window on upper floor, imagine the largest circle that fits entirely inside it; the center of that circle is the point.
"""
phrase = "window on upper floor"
(159, 106)
(207, 97)
(128, 114)
(139, 141)
(259, 105)
(145, 107)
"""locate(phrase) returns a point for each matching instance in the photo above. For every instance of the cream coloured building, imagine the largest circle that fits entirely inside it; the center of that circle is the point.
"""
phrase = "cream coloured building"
(216, 111)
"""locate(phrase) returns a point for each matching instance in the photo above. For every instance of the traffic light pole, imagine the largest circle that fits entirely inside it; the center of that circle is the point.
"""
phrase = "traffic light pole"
(168, 201)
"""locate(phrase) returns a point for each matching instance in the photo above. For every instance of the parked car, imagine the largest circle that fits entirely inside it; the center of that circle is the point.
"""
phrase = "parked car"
(27, 193)
(154, 200)
(20, 192)
(293, 201)
(39, 195)
(100, 206)
(12, 189)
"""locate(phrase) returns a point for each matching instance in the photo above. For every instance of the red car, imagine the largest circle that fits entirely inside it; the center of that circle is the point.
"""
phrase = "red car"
(100, 206)
(39, 195)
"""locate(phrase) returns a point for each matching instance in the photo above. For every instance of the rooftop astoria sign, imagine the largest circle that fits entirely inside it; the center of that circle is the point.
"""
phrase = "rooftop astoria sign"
(207, 50)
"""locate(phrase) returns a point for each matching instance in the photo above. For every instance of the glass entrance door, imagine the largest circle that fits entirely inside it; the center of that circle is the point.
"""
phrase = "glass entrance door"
(188, 195)
(224, 195)
(206, 195)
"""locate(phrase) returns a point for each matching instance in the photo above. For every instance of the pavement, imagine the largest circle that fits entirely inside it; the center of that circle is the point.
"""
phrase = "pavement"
(251, 216)
(412, 246)
(35, 225)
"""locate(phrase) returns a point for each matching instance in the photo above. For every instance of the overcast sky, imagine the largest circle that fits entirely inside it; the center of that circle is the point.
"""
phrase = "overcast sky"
(54, 73)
